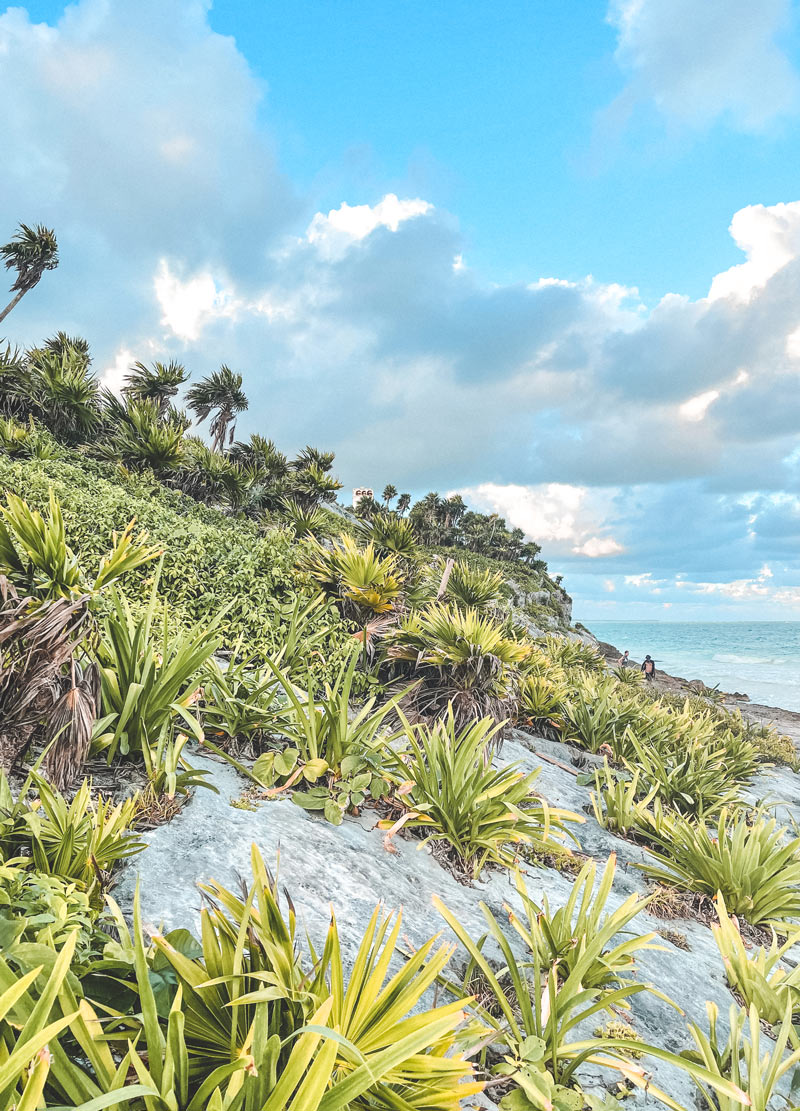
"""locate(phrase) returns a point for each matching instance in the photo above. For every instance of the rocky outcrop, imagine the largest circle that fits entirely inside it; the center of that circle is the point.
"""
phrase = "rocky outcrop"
(348, 868)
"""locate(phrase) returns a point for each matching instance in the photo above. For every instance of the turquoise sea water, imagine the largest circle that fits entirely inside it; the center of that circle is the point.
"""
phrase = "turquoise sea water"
(758, 658)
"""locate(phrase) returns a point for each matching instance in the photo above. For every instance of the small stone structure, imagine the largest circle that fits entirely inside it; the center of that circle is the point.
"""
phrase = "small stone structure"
(361, 492)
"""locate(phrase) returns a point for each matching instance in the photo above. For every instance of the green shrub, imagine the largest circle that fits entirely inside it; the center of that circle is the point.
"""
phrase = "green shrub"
(619, 804)
(148, 676)
(333, 758)
(696, 780)
(244, 1003)
(36, 907)
(531, 1012)
(740, 1060)
(210, 559)
(78, 840)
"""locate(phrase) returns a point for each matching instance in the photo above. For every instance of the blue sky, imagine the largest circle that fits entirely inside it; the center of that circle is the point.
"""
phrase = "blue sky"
(547, 254)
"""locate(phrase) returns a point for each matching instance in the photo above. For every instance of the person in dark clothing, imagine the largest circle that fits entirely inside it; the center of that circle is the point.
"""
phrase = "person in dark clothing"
(649, 669)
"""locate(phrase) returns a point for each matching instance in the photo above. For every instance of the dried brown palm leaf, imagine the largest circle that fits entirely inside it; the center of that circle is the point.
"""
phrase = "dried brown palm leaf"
(69, 726)
(38, 641)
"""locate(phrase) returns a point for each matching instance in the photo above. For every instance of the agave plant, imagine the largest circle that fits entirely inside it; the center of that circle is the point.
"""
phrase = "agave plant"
(463, 658)
(620, 805)
(739, 1060)
(471, 588)
(366, 586)
(78, 840)
(695, 781)
(305, 521)
(454, 794)
(313, 485)
(540, 701)
(35, 556)
(559, 938)
(209, 476)
(333, 756)
(239, 700)
(573, 654)
(142, 437)
(65, 395)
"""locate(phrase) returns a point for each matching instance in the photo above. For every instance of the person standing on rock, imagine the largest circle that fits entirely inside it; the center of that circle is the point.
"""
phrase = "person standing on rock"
(623, 661)
(649, 669)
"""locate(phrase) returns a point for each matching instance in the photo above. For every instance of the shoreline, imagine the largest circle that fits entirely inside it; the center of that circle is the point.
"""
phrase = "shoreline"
(786, 722)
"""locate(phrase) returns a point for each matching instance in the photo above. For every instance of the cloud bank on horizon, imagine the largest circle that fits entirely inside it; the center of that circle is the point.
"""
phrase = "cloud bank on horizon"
(652, 449)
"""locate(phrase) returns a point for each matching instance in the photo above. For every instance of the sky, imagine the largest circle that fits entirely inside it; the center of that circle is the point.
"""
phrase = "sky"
(545, 255)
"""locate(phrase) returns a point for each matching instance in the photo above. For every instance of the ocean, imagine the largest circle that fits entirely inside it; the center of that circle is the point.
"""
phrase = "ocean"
(757, 658)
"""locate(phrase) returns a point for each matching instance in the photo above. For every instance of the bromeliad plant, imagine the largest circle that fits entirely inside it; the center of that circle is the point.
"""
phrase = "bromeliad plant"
(759, 977)
(752, 864)
(454, 793)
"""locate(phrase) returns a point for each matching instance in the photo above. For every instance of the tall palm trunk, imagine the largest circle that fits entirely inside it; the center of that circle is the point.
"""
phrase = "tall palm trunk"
(12, 304)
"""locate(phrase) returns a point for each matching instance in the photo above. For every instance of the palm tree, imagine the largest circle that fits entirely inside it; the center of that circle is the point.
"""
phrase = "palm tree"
(220, 393)
(403, 502)
(389, 494)
(159, 383)
(30, 253)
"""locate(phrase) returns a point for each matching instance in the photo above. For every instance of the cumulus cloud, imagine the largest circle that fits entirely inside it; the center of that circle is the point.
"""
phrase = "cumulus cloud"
(700, 61)
(566, 518)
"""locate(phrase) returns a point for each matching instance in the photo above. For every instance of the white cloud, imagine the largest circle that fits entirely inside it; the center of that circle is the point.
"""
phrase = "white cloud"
(564, 517)
(769, 237)
(696, 408)
(347, 224)
(112, 376)
(358, 330)
(597, 546)
(187, 306)
(698, 60)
